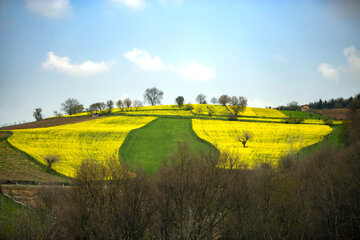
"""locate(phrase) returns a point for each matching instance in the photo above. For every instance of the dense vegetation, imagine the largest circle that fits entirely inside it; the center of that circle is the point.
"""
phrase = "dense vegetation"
(333, 103)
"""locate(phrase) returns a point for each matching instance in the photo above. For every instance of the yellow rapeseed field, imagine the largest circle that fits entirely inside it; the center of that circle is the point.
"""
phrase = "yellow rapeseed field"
(270, 140)
(96, 139)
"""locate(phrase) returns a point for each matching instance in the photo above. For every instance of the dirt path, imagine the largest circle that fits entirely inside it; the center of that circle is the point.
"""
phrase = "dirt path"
(51, 122)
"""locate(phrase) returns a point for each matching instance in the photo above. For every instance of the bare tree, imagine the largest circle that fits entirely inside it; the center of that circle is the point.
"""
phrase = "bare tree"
(137, 104)
(110, 105)
(224, 99)
(50, 160)
(120, 104)
(127, 103)
(72, 106)
(238, 104)
(180, 101)
(57, 114)
(244, 137)
(214, 100)
(201, 98)
(153, 96)
(37, 114)
(99, 107)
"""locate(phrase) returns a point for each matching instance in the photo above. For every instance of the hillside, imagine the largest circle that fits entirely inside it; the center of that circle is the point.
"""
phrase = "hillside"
(147, 142)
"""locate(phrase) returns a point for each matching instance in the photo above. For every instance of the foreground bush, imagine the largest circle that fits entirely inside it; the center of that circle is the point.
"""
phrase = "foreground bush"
(189, 198)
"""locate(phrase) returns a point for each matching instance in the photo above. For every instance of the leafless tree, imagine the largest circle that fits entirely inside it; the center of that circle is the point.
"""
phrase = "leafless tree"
(72, 106)
(51, 160)
(109, 106)
(153, 96)
(120, 104)
(99, 107)
(127, 103)
(244, 137)
(238, 104)
(201, 99)
(214, 100)
(137, 104)
(224, 100)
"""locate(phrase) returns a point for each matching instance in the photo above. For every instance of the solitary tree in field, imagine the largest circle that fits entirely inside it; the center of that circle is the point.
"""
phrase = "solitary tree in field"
(127, 103)
(244, 137)
(110, 106)
(153, 96)
(50, 160)
(224, 99)
(201, 98)
(180, 101)
(72, 106)
(37, 114)
(214, 100)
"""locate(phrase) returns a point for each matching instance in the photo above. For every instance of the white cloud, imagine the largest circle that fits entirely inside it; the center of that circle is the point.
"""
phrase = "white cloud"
(194, 71)
(144, 61)
(353, 58)
(329, 71)
(280, 58)
(352, 66)
(64, 65)
(189, 69)
(135, 4)
(49, 8)
(258, 103)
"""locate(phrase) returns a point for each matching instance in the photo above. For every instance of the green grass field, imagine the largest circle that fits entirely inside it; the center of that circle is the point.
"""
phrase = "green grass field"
(147, 147)
(333, 139)
(16, 165)
(304, 115)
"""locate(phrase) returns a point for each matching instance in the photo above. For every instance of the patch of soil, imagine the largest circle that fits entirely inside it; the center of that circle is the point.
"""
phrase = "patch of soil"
(50, 122)
(337, 113)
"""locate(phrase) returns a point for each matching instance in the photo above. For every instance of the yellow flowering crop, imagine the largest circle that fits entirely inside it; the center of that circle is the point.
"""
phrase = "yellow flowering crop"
(270, 140)
(96, 139)
(175, 112)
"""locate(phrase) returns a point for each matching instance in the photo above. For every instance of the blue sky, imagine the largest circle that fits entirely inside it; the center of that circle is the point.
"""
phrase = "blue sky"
(271, 52)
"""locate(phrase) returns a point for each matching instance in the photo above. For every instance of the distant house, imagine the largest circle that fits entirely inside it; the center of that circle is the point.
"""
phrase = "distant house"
(304, 108)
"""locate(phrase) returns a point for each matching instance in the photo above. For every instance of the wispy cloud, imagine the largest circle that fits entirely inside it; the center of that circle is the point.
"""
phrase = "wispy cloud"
(329, 71)
(280, 58)
(144, 61)
(49, 8)
(190, 70)
(353, 58)
(194, 71)
(64, 65)
(135, 4)
(352, 67)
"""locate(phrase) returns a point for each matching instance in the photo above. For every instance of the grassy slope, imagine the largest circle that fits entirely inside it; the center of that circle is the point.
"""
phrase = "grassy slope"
(333, 139)
(17, 165)
(300, 114)
(146, 147)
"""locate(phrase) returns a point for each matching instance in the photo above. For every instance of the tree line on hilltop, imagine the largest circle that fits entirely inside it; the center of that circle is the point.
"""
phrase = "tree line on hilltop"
(322, 104)
(153, 96)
